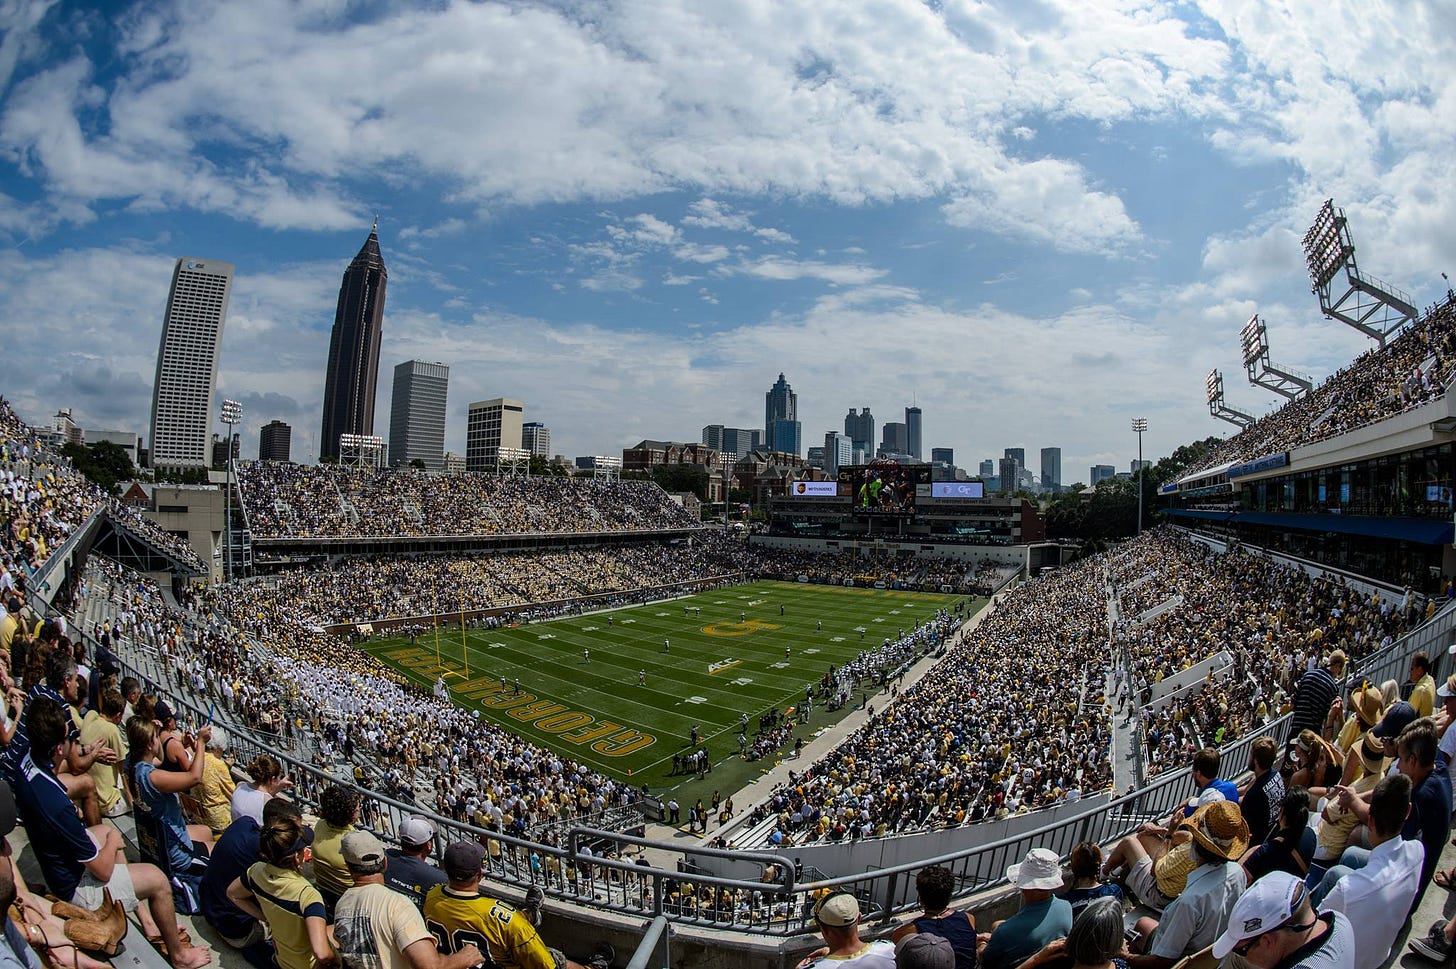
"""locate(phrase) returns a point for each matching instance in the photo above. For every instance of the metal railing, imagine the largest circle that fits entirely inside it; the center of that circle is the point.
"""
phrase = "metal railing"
(588, 866)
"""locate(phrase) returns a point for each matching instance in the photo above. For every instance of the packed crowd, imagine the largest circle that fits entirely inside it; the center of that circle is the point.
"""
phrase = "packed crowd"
(1410, 370)
(1270, 620)
(836, 568)
(329, 501)
(987, 733)
(368, 590)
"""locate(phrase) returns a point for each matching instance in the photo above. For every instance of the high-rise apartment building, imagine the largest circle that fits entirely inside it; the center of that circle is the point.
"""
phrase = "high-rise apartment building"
(536, 438)
(860, 428)
(1010, 474)
(1051, 469)
(275, 441)
(912, 431)
(187, 363)
(781, 428)
(489, 424)
(838, 451)
(353, 370)
(417, 414)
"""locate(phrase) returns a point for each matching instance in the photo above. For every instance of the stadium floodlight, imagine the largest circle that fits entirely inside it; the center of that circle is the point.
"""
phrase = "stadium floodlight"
(1370, 305)
(513, 460)
(1218, 408)
(360, 450)
(1254, 341)
(232, 415)
(1140, 427)
(607, 467)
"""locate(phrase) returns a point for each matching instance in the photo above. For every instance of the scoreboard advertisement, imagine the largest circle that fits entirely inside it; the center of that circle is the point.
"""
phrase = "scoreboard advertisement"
(883, 489)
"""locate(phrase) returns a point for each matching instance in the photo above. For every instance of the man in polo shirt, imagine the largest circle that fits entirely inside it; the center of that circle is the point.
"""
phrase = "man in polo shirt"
(408, 872)
(233, 854)
(62, 687)
(1422, 685)
(78, 863)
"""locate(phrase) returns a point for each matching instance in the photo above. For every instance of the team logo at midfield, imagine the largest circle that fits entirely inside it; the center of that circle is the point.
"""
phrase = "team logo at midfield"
(746, 628)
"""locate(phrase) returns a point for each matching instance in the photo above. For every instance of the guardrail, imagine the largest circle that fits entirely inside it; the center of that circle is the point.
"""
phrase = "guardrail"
(576, 870)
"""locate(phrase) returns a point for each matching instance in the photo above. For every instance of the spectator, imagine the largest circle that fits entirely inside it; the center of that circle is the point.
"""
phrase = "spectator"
(1315, 693)
(338, 812)
(1340, 827)
(1200, 913)
(1291, 847)
(934, 885)
(1043, 917)
(925, 950)
(1422, 686)
(1259, 798)
(380, 929)
(214, 793)
(837, 916)
(1096, 940)
(457, 911)
(1087, 883)
(77, 863)
(1274, 920)
(233, 854)
(408, 872)
(157, 796)
(99, 729)
(275, 892)
(1378, 896)
(266, 780)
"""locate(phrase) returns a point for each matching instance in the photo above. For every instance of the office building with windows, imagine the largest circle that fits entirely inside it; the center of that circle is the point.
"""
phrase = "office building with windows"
(187, 362)
(353, 371)
(536, 438)
(1051, 469)
(275, 440)
(489, 424)
(417, 414)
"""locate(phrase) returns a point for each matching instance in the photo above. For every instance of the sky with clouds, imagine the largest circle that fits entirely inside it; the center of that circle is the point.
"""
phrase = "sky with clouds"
(1036, 219)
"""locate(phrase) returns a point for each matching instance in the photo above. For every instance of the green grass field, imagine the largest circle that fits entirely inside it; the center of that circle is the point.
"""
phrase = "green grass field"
(727, 661)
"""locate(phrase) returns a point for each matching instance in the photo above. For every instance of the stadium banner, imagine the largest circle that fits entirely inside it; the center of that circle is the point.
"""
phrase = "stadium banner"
(814, 489)
(1267, 463)
(957, 489)
(803, 578)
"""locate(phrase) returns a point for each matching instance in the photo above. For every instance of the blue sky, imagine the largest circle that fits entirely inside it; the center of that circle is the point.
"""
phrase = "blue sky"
(1036, 219)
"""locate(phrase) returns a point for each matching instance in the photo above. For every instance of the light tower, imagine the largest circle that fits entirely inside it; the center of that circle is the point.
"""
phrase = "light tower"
(1370, 305)
(1254, 341)
(232, 414)
(1216, 406)
(1139, 426)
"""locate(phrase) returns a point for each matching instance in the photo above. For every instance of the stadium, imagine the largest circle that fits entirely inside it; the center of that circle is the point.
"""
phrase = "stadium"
(890, 677)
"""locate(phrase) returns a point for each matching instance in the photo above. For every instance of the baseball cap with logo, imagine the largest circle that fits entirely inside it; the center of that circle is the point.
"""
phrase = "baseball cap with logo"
(1400, 715)
(1268, 904)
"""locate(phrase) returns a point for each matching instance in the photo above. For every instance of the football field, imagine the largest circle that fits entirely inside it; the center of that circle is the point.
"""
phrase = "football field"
(622, 690)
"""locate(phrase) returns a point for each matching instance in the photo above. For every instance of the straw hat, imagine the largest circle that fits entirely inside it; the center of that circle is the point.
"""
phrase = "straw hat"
(1368, 705)
(1222, 830)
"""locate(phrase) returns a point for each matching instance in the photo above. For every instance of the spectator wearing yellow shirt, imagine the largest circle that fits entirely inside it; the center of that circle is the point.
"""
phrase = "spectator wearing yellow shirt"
(103, 725)
(1423, 694)
(214, 793)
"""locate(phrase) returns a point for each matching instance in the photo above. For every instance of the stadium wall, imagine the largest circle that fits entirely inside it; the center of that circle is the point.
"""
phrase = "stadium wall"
(1360, 583)
(1013, 555)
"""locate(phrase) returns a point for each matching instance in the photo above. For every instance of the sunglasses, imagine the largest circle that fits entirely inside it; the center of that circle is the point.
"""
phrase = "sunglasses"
(1244, 948)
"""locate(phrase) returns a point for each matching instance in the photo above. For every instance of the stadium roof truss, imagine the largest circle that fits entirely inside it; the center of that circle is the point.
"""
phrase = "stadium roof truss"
(1254, 342)
(1370, 305)
(1218, 408)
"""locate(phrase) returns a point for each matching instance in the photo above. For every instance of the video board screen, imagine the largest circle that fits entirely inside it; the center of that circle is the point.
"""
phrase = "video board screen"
(884, 489)
(814, 489)
(957, 489)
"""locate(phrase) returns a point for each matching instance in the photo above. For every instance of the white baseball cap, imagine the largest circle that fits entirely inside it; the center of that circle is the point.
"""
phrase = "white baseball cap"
(1268, 904)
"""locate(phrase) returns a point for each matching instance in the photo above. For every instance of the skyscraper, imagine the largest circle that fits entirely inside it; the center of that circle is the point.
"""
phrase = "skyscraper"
(838, 450)
(1010, 475)
(187, 363)
(860, 428)
(274, 442)
(893, 440)
(354, 348)
(1051, 469)
(912, 431)
(536, 438)
(489, 425)
(417, 414)
(988, 468)
(781, 426)
(942, 455)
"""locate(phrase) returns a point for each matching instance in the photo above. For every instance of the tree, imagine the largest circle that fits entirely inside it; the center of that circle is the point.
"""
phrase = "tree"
(417, 464)
(682, 477)
(104, 463)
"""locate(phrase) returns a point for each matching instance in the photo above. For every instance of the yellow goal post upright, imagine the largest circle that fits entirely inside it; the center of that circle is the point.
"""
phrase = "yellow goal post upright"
(435, 617)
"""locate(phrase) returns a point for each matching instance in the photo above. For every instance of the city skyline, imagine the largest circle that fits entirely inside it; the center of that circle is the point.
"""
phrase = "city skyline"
(971, 207)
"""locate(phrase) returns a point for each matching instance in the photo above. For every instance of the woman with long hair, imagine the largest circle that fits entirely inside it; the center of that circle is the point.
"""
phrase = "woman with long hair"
(158, 791)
